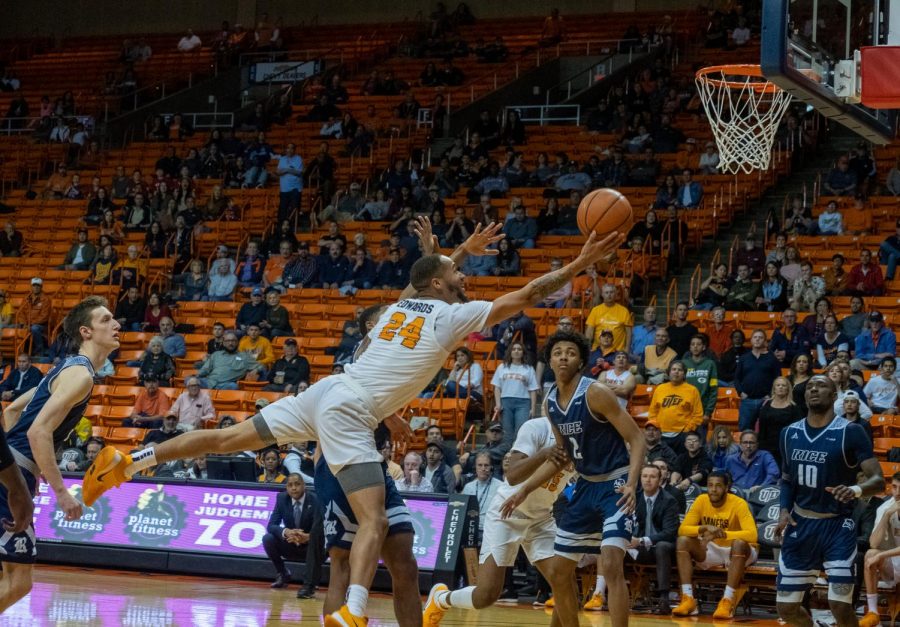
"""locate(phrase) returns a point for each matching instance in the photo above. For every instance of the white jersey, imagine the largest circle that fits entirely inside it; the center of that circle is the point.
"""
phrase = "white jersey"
(893, 530)
(408, 346)
(534, 435)
(619, 379)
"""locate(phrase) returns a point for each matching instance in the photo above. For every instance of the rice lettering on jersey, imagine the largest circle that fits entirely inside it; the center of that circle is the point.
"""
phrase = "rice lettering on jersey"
(819, 458)
(593, 443)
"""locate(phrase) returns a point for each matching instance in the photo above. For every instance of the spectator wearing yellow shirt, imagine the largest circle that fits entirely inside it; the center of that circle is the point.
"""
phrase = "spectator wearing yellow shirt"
(6, 311)
(610, 316)
(676, 407)
(258, 346)
(718, 530)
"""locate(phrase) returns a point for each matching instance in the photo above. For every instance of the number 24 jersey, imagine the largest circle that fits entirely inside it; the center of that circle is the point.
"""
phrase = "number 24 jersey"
(408, 346)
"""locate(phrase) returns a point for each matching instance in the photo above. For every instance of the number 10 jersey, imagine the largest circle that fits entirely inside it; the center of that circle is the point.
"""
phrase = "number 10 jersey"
(408, 346)
(827, 457)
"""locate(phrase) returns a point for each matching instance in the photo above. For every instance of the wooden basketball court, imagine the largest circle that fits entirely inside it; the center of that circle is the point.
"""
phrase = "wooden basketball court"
(82, 596)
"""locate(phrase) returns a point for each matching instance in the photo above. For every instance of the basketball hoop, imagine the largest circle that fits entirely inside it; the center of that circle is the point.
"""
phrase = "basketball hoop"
(744, 110)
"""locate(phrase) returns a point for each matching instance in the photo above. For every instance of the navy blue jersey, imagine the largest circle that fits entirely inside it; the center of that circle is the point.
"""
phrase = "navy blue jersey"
(813, 459)
(592, 442)
(18, 435)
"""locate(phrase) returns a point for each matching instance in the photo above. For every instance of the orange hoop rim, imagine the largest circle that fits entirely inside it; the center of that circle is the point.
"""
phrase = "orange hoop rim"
(748, 70)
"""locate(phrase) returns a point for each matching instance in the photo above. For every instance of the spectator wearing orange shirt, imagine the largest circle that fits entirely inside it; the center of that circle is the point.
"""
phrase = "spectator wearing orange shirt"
(859, 220)
(689, 158)
(719, 332)
(272, 277)
(150, 406)
(57, 183)
(585, 289)
(35, 313)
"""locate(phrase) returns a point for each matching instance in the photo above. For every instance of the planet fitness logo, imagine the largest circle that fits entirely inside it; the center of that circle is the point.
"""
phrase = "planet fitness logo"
(424, 533)
(156, 519)
(91, 523)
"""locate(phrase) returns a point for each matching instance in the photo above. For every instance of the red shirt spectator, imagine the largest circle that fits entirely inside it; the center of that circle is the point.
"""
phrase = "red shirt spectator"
(865, 278)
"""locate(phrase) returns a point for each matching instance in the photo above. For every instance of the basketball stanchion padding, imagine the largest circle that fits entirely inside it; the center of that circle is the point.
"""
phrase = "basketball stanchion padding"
(879, 68)
(744, 110)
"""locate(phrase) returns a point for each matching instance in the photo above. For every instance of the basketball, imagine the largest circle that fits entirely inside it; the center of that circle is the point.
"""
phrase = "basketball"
(604, 211)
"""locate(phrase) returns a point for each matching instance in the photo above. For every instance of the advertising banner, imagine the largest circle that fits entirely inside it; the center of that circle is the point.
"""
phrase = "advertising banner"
(284, 72)
(209, 519)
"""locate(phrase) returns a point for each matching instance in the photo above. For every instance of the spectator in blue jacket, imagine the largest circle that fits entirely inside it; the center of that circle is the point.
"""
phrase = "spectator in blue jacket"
(362, 274)
(334, 268)
(250, 269)
(756, 371)
(874, 343)
(521, 231)
(479, 265)
(257, 156)
(392, 274)
(752, 469)
(790, 340)
(690, 193)
(20, 380)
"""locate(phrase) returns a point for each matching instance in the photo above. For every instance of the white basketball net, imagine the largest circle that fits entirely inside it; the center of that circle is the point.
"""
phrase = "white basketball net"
(744, 113)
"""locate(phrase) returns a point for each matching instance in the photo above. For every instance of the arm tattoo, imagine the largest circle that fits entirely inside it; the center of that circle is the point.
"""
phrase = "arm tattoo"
(542, 287)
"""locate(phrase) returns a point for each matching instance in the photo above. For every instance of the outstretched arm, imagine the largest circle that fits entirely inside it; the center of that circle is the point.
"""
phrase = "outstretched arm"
(537, 290)
(14, 410)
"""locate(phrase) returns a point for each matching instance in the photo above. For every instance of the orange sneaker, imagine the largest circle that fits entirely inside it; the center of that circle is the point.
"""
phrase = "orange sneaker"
(725, 610)
(343, 618)
(433, 613)
(550, 603)
(107, 471)
(870, 619)
(687, 607)
(595, 603)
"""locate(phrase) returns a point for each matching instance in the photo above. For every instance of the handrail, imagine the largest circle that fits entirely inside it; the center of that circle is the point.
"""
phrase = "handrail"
(589, 74)
(227, 118)
(671, 297)
(696, 279)
(544, 113)
(132, 96)
(735, 243)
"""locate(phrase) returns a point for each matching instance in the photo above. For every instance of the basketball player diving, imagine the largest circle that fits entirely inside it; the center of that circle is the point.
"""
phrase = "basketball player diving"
(406, 348)
(36, 424)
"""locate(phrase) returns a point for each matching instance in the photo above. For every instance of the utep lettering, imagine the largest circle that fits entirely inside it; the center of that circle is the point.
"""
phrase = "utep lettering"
(672, 401)
(415, 307)
(802, 455)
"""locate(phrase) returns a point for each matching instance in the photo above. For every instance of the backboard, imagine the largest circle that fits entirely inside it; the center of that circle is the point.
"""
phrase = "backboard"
(810, 48)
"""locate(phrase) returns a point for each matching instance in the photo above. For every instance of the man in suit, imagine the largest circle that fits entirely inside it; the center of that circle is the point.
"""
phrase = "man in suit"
(653, 540)
(296, 533)
(20, 380)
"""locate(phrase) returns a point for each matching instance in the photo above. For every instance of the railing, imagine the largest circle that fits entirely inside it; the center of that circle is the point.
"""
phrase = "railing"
(134, 100)
(735, 244)
(696, 280)
(546, 114)
(671, 298)
(205, 119)
(11, 126)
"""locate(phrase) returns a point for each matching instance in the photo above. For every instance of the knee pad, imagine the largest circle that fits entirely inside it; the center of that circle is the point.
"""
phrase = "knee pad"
(789, 596)
(357, 477)
(840, 593)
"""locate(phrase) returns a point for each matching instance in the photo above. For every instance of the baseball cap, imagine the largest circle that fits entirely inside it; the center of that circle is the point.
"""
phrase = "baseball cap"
(691, 140)
(37, 281)
(167, 416)
(291, 341)
(434, 445)
(261, 402)
(303, 245)
(495, 426)
(222, 248)
(652, 423)
(850, 394)
(257, 291)
(354, 186)
(876, 316)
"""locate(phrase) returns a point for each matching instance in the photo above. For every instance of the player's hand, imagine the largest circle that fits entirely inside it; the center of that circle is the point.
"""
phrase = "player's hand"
(841, 493)
(628, 500)
(70, 507)
(21, 506)
(428, 239)
(873, 562)
(510, 504)
(635, 543)
(399, 428)
(478, 242)
(596, 249)
(783, 522)
(556, 455)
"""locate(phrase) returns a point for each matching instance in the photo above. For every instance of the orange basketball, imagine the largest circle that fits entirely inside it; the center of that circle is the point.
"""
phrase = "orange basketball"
(604, 211)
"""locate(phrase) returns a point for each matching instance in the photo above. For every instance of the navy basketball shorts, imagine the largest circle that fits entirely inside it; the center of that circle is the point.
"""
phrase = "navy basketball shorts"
(19, 547)
(592, 520)
(339, 521)
(816, 544)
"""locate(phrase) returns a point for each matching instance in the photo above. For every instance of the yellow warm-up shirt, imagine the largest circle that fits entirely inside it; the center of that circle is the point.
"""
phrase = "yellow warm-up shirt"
(676, 408)
(733, 516)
